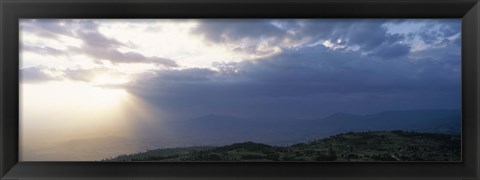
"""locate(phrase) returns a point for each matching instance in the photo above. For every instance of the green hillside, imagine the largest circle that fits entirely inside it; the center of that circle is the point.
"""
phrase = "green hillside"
(159, 154)
(364, 146)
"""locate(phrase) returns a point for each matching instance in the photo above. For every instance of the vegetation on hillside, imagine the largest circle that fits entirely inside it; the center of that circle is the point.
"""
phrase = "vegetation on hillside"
(360, 146)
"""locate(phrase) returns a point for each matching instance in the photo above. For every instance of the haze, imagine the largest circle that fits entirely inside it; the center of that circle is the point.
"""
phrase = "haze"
(123, 84)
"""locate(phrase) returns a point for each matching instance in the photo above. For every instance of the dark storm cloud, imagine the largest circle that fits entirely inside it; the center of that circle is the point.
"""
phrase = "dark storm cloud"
(439, 32)
(246, 35)
(392, 51)
(95, 44)
(307, 82)
(370, 36)
(225, 30)
(320, 70)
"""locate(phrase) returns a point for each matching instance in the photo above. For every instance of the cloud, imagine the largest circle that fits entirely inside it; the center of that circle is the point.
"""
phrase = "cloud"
(50, 28)
(428, 34)
(94, 43)
(43, 50)
(38, 74)
(191, 74)
(99, 46)
(392, 51)
(86, 75)
(258, 37)
(224, 30)
(93, 76)
(434, 32)
(368, 36)
(308, 82)
(115, 56)
(365, 68)
(93, 38)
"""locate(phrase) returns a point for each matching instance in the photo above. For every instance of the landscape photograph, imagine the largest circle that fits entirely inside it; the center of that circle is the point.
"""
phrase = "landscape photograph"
(240, 90)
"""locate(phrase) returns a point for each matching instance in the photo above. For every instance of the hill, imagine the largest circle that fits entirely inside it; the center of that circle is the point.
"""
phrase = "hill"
(363, 146)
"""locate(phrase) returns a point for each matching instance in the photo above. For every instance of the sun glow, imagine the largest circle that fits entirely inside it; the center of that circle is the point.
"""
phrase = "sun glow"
(109, 80)
(54, 113)
(66, 106)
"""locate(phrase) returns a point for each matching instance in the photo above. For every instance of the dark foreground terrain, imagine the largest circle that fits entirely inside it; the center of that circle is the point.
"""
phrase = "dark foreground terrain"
(362, 146)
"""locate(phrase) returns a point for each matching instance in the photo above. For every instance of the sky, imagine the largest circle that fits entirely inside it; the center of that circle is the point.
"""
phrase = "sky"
(121, 73)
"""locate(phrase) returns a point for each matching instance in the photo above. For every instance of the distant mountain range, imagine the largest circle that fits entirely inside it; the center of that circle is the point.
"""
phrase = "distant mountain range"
(414, 120)
(365, 146)
(219, 130)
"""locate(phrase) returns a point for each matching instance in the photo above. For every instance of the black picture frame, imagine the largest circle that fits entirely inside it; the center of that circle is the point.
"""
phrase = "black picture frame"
(12, 10)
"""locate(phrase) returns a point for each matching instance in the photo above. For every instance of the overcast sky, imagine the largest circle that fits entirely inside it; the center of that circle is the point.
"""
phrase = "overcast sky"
(248, 68)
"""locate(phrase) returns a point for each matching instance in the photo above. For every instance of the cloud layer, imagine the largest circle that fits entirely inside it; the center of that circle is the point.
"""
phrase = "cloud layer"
(270, 68)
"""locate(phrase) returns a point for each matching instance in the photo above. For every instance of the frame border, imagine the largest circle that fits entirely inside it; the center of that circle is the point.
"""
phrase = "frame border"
(12, 10)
